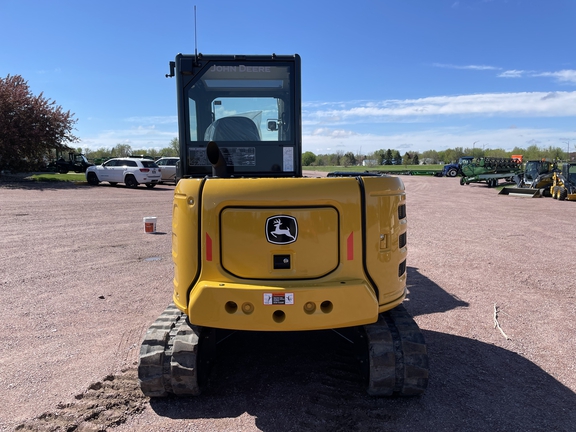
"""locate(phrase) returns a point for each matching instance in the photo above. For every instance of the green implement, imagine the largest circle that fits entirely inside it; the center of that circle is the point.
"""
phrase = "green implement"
(489, 170)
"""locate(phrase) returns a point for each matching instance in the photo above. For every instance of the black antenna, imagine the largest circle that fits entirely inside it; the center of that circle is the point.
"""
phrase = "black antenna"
(195, 38)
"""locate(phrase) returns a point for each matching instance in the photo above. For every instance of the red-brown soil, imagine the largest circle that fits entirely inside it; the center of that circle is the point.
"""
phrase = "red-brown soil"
(80, 282)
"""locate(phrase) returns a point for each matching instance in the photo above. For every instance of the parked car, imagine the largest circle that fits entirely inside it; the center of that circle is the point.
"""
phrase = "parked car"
(168, 167)
(130, 171)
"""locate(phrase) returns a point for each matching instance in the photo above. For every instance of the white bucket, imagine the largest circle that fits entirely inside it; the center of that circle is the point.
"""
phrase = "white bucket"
(150, 224)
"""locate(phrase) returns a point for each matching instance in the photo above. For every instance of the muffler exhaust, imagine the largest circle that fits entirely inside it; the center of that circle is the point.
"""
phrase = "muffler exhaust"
(220, 168)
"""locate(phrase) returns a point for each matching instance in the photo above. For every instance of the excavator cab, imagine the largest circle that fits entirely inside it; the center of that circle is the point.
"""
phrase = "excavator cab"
(248, 105)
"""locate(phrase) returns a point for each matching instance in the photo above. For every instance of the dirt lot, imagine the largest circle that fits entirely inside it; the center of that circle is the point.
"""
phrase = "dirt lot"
(80, 282)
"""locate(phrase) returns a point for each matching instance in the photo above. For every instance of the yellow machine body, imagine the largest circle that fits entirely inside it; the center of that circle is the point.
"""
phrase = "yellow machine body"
(283, 254)
(564, 183)
(259, 247)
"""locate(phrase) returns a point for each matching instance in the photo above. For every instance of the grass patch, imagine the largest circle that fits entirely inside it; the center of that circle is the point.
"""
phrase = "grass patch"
(56, 177)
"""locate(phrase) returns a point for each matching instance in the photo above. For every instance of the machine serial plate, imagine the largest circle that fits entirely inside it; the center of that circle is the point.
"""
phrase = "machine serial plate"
(278, 298)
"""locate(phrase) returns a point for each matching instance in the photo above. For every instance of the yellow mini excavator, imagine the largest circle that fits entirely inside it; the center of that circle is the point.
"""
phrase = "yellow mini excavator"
(258, 247)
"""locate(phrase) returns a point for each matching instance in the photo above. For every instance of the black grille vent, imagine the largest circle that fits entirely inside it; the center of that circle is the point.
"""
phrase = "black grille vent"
(402, 211)
(402, 268)
(402, 240)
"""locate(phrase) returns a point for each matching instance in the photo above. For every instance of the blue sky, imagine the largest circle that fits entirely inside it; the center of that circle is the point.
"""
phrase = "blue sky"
(411, 75)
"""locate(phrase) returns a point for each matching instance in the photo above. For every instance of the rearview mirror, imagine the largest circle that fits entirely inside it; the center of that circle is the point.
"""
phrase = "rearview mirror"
(272, 125)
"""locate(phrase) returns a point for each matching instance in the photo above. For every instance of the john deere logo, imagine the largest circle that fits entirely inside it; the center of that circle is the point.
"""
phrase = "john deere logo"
(281, 229)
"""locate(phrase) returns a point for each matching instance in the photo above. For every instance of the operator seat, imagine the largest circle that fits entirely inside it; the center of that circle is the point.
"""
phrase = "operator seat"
(233, 128)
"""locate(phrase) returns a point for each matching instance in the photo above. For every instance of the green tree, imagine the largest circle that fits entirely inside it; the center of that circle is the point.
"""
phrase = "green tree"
(430, 157)
(320, 160)
(497, 153)
(389, 157)
(452, 155)
(173, 150)
(336, 158)
(442, 157)
(518, 151)
(175, 144)
(99, 153)
(349, 159)
(121, 150)
(167, 152)
(308, 158)
(555, 153)
(30, 126)
(533, 152)
(407, 159)
(378, 156)
(415, 159)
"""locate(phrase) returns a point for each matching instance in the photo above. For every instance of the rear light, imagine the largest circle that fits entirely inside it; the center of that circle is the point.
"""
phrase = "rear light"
(144, 169)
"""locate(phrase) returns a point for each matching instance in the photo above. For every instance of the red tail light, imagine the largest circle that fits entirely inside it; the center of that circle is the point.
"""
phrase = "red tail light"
(144, 169)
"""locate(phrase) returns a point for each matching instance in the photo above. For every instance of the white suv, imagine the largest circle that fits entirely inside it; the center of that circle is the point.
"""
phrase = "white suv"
(168, 167)
(130, 171)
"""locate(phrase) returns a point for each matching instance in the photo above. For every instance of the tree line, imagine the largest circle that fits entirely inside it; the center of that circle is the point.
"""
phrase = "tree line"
(430, 157)
(123, 150)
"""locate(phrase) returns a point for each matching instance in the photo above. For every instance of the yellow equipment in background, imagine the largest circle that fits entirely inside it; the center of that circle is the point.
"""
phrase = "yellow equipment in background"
(534, 181)
(564, 183)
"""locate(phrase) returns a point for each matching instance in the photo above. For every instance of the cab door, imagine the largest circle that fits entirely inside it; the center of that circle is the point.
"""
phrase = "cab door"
(122, 166)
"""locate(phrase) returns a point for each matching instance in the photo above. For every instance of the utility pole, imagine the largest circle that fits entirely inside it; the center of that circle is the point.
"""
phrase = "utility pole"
(567, 142)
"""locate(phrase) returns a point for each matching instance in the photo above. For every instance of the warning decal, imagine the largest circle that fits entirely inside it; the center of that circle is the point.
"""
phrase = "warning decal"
(235, 156)
(278, 298)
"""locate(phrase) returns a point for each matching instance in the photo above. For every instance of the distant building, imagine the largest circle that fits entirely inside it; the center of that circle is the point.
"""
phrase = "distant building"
(369, 162)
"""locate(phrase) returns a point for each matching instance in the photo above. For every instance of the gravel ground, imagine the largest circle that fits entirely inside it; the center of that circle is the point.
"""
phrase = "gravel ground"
(80, 282)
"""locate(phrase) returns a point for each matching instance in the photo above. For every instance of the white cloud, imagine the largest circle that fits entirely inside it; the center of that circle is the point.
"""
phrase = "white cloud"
(138, 138)
(439, 139)
(466, 67)
(511, 74)
(525, 104)
(564, 76)
(49, 71)
(567, 75)
(333, 133)
(153, 119)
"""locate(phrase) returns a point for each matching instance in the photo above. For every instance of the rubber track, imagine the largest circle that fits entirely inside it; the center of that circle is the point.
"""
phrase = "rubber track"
(398, 358)
(168, 356)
